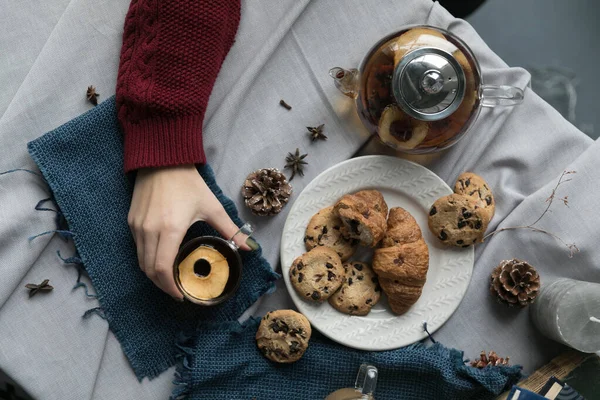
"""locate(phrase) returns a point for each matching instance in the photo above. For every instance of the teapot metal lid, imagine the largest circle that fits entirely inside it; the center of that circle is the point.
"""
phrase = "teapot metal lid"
(428, 84)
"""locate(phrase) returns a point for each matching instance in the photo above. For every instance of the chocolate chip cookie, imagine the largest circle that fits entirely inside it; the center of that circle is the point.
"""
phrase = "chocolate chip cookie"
(326, 229)
(472, 185)
(283, 336)
(318, 274)
(458, 220)
(359, 292)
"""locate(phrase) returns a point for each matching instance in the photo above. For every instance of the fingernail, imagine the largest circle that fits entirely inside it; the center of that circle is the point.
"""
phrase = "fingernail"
(177, 299)
(252, 243)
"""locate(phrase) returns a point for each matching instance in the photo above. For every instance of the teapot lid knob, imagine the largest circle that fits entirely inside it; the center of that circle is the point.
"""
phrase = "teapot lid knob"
(428, 84)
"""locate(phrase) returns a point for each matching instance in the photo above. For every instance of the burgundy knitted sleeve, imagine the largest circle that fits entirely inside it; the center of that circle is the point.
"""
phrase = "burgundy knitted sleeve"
(171, 55)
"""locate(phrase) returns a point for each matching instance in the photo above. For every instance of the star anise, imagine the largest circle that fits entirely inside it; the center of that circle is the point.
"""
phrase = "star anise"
(316, 132)
(44, 286)
(92, 96)
(296, 163)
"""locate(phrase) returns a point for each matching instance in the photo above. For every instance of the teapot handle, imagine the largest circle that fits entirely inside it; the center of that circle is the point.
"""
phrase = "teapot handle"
(366, 380)
(501, 95)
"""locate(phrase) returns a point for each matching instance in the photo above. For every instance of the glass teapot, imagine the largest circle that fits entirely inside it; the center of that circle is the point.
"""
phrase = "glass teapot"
(364, 386)
(420, 89)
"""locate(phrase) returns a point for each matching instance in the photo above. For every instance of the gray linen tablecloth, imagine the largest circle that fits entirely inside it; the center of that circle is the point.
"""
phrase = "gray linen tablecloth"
(51, 51)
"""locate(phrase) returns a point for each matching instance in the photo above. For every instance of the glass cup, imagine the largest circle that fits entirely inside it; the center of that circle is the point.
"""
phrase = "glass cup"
(568, 311)
(364, 386)
(228, 249)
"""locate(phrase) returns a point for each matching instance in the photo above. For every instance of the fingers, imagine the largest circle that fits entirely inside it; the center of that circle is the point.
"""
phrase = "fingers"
(212, 211)
(135, 218)
(156, 251)
(160, 246)
(150, 244)
(139, 244)
(138, 238)
(227, 228)
(168, 246)
(165, 201)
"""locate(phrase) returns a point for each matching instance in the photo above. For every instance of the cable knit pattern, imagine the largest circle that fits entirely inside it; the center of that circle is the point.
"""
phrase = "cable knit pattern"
(172, 53)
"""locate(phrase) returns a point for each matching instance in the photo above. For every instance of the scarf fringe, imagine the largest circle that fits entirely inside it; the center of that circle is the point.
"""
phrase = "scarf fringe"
(96, 310)
(10, 171)
(79, 264)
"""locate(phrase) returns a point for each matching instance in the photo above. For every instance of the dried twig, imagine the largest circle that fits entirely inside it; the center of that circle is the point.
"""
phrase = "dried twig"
(285, 105)
(571, 246)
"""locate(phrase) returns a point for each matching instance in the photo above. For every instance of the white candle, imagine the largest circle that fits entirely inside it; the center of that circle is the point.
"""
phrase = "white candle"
(568, 311)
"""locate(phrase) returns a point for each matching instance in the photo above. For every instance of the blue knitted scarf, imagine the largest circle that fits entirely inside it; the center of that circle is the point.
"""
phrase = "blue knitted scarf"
(82, 162)
(222, 361)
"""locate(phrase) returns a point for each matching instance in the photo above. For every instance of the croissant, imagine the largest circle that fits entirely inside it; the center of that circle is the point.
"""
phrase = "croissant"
(402, 261)
(364, 214)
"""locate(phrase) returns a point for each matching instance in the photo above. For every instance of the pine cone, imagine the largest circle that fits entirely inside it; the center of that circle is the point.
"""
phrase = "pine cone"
(492, 359)
(515, 283)
(266, 191)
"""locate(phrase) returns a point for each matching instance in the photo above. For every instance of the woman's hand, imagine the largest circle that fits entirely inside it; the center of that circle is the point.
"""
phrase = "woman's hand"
(166, 202)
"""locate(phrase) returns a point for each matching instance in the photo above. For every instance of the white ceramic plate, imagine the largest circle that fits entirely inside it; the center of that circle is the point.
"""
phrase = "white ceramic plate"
(404, 184)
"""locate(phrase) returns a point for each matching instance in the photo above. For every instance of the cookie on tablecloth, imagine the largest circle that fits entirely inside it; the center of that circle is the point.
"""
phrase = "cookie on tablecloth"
(458, 220)
(359, 292)
(470, 184)
(318, 274)
(283, 336)
(326, 229)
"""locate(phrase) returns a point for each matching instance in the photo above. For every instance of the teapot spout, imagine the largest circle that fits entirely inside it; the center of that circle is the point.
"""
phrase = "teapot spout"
(345, 80)
(366, 380)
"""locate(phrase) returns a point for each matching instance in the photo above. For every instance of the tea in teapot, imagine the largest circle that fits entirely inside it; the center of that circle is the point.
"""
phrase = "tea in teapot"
(420, 89)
